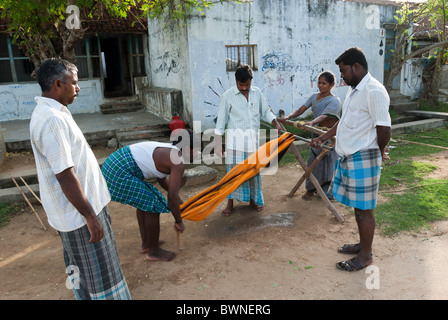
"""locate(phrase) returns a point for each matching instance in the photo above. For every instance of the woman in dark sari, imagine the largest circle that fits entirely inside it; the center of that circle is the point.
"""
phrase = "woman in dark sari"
(326, 108)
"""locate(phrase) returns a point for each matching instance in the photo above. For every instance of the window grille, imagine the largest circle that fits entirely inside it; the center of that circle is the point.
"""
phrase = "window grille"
(241, 54)
(15, 66)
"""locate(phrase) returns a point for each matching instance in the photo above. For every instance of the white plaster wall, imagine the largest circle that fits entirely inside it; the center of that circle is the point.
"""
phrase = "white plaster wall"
(169, 60)
(17, 100)
(411, 80)
(296, 40)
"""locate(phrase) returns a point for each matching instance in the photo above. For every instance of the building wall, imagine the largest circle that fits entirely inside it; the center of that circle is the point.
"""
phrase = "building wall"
(169, 63)
(296, 40)
(17, 100)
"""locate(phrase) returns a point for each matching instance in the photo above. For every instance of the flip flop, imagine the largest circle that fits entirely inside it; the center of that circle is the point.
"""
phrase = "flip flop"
(350, 248)
(350, 265)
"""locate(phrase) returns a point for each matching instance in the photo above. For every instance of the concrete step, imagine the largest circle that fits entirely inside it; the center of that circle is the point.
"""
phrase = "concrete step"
(396, 96)
(147, 134)
(120, 106)
(428, 114)
(416, 125)
(401, 107)
(160, 133)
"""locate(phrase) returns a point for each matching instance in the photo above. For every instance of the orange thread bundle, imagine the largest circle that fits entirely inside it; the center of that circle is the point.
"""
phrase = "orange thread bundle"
(202, 204)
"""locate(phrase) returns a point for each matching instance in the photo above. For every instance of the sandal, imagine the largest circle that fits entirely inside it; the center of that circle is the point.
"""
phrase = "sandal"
(350, 265)
(350, 248)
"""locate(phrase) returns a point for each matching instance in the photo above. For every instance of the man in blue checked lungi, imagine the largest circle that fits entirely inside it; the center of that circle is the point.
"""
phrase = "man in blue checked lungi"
(125, 172)
(240, 111)
(362, 135)
(73, 191)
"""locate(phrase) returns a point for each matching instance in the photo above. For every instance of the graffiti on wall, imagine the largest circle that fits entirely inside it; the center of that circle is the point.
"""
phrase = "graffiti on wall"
(167, 63)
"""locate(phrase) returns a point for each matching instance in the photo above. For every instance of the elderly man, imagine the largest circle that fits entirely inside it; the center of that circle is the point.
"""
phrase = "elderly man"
(362, 135)
(240, 111)
(73, 191)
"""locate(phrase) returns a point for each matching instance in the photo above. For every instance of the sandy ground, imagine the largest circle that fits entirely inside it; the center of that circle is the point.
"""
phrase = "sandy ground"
(286, 252)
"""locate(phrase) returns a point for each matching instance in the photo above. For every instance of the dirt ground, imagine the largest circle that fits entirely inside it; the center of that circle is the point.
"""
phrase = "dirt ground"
(286, 252)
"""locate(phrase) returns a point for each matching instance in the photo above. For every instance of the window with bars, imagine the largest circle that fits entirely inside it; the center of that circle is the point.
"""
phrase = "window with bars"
(241, 54)
(14, 65)
(137, 54)
(87, 52)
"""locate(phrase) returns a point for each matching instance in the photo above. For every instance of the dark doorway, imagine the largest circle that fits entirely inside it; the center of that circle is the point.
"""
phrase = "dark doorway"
(117, 80)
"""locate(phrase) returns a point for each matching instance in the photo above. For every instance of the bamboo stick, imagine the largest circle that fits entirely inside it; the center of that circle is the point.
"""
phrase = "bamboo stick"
(28, 202)
(180, 242)
(32, 192)
(422, 144)
(314, 181)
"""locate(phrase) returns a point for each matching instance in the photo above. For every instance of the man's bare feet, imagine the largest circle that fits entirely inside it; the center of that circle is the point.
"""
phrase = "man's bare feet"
(308, 195)
(161, 255)
(228, 210)
(255, 206)
(143, 250)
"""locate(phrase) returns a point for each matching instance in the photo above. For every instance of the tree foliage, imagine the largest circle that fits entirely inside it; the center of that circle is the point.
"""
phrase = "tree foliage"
(430, 17)
(39, 26)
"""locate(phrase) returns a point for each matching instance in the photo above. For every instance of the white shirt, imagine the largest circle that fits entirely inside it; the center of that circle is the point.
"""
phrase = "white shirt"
(59, 144)
(365, 107)
(142, 153)
(242, 117)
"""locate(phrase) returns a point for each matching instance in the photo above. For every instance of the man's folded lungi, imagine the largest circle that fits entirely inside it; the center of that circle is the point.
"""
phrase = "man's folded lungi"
(250, 189)
(94, 268)
(356, 179)
(126, 183)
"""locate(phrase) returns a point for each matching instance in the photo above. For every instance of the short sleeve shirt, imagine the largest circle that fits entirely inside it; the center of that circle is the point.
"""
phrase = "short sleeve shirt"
(241, 117)
(59, 144)
(366, 106)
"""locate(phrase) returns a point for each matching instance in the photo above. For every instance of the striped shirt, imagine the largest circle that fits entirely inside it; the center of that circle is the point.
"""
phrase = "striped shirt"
(59, 144)
(241, 118)
(365, 107)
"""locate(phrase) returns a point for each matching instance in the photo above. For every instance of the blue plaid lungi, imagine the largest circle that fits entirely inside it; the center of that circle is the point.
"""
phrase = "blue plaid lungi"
(94, 269)
(126, 183)
(356, 179)
(250, 189)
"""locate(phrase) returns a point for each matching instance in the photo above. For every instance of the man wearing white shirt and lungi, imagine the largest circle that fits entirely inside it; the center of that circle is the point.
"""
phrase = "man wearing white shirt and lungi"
(362, 135)
(73, 191)
(240, 111)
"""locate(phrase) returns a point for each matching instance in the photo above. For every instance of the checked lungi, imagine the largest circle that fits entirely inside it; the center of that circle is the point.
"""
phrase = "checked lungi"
(356, 179)
(94, 269)
(251, 189)
(126, 183)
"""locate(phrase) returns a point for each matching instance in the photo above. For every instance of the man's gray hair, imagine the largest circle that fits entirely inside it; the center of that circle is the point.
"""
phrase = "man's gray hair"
(53, 69)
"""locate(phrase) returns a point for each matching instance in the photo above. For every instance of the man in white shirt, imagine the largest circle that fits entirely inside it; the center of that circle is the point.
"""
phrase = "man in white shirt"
(362, 135)
(240, 111)
(73, 191)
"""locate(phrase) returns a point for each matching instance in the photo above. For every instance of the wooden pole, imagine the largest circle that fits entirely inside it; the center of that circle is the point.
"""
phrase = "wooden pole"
(422, 144)
(180, 242)
(32, 192)
(307, 172)
(314, 181)
(27, 201)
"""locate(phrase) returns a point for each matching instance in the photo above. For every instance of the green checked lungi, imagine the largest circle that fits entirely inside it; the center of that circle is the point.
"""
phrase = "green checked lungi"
(126, 183)
(250, 189)
(356, 179)
(94, 269)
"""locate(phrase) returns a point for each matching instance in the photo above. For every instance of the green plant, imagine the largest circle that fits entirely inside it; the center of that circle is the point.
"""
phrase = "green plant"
(6, 210)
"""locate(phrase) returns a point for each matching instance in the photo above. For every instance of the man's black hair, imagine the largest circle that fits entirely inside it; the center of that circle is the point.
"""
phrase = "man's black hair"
(244, 73)
(352, 55)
